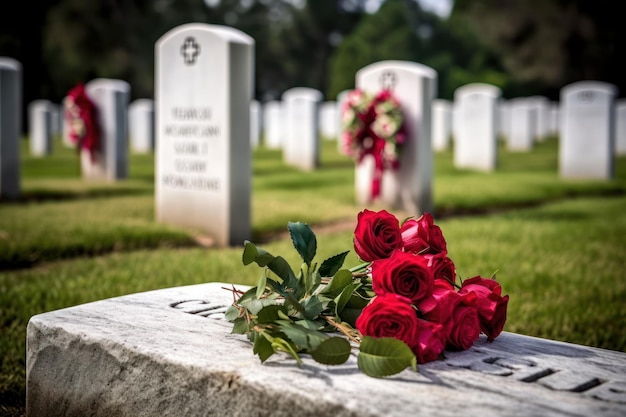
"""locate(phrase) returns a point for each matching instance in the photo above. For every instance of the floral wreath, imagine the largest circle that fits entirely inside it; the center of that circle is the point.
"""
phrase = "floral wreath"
(373, 125)
(80, 113)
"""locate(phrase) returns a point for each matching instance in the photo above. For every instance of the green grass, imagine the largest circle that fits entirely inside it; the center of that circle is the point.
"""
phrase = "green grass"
(559, 247)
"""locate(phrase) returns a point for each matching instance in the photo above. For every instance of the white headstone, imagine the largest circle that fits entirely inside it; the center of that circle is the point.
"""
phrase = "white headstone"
(587, 141)
(504, 119)
(40, 127)
(204, 84)
(301, 147)
(415, 86)
(476, 144)
(57, 119)
(553, 124)
(171, 352)
(255, 123)
(273, 124)
(10, 120)
(442, 124)
(620, 127)
(328, 120)
(141, 125)
(541, 107)
(523, 125)
(111, 97)
(341, 103)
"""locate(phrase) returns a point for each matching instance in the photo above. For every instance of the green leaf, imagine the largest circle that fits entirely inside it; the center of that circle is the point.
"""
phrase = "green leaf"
(312, 308)
(281, 268)
(341, 280)
(231, 313)
(385, 356)
(304, 337)
(262, 347)
(254, 305)
(260, 286)
(331, 265)
(342, 299)
(253, 254)
(349, 315)
(269, 313)
(332, 351)
(303, 240)
(240, 326)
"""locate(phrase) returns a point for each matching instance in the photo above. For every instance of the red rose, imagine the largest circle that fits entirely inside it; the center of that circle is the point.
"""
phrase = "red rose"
(464, 328)
(490, 303)
(442, 266)
(431, 341)
(403, 274)
(455, 312)
(422, 235)
(389, 315)
(377, 235)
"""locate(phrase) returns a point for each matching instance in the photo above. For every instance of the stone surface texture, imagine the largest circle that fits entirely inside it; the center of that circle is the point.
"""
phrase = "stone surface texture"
(170, 352)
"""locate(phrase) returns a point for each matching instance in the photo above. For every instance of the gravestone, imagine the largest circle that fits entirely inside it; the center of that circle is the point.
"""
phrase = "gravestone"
(523, 125)
(442, 124)
(141, 125)
(587, 134)
(273, 124)
(57, 119)
(504, 119)
(415, 86)
(301, 148)
(476, 144)
(110, 161)
(255, 123)
(341, 103)
(554, 122)
(171, 352)
(620, 127)
(204, 84)
(328, 119)
(10, 120)
(40, 127)
(541, 107)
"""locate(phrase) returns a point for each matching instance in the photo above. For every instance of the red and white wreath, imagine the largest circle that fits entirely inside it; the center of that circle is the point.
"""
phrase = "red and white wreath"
(373, 125)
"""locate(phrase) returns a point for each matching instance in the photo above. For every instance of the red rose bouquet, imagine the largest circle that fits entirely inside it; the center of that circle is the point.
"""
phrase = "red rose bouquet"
(373, 125)
(402, 306)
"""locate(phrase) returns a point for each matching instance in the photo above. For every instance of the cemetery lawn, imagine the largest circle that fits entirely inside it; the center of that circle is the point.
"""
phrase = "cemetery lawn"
(558, 247)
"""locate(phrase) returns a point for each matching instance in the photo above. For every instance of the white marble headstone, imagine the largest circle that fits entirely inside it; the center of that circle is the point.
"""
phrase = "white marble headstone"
(587, 138)
(40, 127)
(301, 148)
(554, 116)
(204, 85)
(476, 144)
(442, 124)
(523, 125)
(255, 123)
(328, 119)
(504, 119)
(620, 127)
(273, 124)
(10, 120)
(541, 107)
(341, 102)
(415, 86)
(111, 98)
(141, 125)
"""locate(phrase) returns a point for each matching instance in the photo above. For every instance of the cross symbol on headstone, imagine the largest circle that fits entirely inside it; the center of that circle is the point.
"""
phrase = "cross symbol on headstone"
(388, 80)
(190, 50)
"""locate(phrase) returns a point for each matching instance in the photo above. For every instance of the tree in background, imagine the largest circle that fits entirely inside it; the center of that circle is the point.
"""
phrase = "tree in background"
(546, 44)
